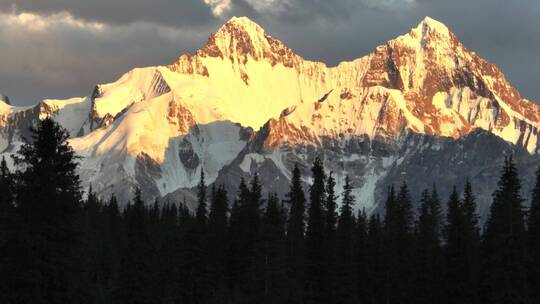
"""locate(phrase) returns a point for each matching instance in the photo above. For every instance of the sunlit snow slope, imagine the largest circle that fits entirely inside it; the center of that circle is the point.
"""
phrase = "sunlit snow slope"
(157, 127)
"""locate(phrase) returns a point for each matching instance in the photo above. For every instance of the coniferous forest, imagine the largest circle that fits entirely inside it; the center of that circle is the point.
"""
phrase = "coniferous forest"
(60, 246)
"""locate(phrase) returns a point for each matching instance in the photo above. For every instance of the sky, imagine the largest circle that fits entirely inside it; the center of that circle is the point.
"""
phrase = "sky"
(63, 48)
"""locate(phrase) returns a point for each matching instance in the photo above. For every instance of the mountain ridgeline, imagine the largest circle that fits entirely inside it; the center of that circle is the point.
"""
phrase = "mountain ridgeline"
(421, 107)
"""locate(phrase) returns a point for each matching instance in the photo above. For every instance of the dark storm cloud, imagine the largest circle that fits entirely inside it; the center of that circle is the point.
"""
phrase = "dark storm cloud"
(66, 61)
(60, 59)
(167, 12)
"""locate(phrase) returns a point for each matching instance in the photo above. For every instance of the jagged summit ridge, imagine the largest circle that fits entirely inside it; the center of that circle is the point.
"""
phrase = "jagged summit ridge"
(243, 22)
(238, 41)
(432, 24)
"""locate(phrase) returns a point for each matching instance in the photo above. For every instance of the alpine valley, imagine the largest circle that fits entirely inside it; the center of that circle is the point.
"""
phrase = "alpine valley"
(421, 107)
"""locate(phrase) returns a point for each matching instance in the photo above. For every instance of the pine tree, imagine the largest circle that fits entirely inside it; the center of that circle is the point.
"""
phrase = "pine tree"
(471, 245)
(6, 192)
(345, 269)
(93, 221)
(202, 206)
(274, 252)
(436, 211)
(7, 225)
(455, 288)
(45, 254)
(190, 284)
(362, 257)
(504, 242)
(329, 262)
(390, 250)
(462, 241)
(428, 256)
(253, 281)
(469, 208)
(136, 281)
(237, 244)
(295, 238)
(167, 260)
(197, 251)
(399, 233)
(314, 280)
(534, 240)
(6, 202)
(113, 245)
(376, 270)
(245, 252)
(217, 245)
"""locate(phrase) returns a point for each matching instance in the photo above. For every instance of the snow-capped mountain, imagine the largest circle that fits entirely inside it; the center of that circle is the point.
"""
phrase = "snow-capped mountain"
(245, 102)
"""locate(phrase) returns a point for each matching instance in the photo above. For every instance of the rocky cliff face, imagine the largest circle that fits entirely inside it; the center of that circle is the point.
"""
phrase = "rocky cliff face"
(246, 102)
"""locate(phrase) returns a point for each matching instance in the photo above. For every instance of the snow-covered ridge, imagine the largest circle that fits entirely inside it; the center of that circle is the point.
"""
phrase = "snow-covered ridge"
(159, 126)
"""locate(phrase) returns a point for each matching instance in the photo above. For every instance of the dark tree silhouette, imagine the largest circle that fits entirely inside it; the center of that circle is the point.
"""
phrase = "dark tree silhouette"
(504, 242)
(49, 233)
(295, 238)
(345, 247)
(314, 280)
(534, 240)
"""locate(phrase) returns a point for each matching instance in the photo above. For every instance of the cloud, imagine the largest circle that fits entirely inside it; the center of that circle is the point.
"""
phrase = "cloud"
(219, 7)
(37, 23)
(60, 56)
(178, 13)
(270, 6)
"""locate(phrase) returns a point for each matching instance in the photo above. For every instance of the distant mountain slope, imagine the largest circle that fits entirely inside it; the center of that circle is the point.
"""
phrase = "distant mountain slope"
(245, 101)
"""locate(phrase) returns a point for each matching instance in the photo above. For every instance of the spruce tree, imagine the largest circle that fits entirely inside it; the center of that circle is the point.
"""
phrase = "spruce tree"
(295, 237)
(504, 242)
(166, 256)
(217, 245)
(274, 253)
(191, 285)
(6, 192)
(345, 269)
(46, 261)
(405, 272)
(202, 206)
(198, 250)
(362, 257)
(471, 245)
(135, 281)
(389, 250)
(238, 243)
(454, 257)
(6, 202)
(7, 225)
(534, 240)
(329, 263)
(428, 255)
(245, 252)
(113, 245)
(254, 282)
(376, 274)
(398, 243)
(315, 279)
(93, 222)
(461, 250)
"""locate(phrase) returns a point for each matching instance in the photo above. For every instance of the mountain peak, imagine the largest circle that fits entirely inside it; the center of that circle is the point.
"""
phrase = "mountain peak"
(430, 27)
(240, 25)
(243, 22)
(432, 24)
(241, 39)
